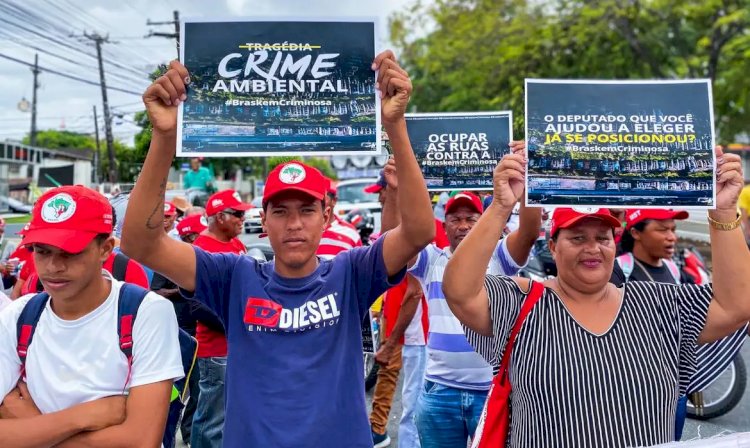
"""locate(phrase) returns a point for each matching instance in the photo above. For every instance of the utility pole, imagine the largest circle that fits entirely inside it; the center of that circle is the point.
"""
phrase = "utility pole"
(175, 35)
(35, 71)
(98, 149)
(98, 41)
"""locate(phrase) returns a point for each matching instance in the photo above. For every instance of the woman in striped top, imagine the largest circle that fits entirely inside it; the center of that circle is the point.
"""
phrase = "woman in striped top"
(595, 365)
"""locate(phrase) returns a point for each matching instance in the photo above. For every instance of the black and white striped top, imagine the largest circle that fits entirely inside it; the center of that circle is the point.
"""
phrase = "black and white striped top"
(572, 388)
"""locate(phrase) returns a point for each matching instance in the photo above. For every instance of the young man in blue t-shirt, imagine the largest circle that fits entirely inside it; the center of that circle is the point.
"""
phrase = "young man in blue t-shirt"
(294, 369)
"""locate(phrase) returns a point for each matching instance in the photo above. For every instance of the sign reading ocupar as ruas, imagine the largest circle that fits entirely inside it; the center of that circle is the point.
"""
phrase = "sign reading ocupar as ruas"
(459, 151)
(279, 87)
(620, 143)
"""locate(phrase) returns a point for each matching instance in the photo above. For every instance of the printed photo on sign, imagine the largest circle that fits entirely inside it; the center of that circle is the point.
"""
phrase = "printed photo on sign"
(620, 143)
(279, 87)
(459, 151)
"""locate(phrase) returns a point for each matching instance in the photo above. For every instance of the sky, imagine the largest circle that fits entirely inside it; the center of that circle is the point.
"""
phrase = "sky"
(56, 28)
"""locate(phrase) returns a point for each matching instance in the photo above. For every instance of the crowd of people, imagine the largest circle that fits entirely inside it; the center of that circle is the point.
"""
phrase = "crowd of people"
(608, 356)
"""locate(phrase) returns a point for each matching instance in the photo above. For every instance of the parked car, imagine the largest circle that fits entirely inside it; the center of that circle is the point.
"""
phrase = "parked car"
(14, 205)
(352, 196)
(252, 216)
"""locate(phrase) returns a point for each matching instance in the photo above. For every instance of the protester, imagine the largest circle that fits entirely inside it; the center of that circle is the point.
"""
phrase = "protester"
(295, 365)
(648, 244)
(456, 378)
(404, 326)
(6, 246)
(189, 228)
(199, 177)
(226, 215)
(76, 356)
(588, 350)
(339, 235)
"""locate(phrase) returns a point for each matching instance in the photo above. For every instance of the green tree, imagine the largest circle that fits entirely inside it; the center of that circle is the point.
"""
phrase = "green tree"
(321, 164)
(54, 139)
(468, 55)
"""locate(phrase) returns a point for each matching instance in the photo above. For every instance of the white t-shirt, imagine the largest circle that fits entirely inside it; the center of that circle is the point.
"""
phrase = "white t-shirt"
(4, 300)
(414, 334)
(72, 362)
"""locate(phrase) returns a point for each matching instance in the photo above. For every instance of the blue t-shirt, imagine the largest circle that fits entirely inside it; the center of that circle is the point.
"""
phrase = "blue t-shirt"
(294, 370)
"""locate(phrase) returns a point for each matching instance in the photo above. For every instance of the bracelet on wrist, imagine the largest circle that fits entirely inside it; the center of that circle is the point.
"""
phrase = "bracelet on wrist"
(726, 226)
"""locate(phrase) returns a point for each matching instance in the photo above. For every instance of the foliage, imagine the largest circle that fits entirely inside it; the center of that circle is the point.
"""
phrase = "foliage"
(321, 164)
(466, 55)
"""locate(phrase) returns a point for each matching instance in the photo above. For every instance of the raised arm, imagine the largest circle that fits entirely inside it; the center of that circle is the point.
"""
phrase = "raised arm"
(463, 281)
(730, 307)
(521, 240)
(417, 228)
(390, 218)
(143, 236)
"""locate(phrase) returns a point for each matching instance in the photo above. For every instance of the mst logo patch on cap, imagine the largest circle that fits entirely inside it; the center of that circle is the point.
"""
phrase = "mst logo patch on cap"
(292, 173)
(58, 208)
(586, 210)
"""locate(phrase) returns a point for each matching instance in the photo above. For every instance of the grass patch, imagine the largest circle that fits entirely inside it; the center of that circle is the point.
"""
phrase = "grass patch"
(18, 219)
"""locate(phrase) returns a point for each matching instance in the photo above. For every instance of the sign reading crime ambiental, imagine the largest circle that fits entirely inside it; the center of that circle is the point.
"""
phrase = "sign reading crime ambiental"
(620, 143)
(279, 87)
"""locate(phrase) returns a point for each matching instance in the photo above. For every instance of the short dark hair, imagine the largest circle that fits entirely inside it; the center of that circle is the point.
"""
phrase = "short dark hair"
(102, 237)
(627, 243)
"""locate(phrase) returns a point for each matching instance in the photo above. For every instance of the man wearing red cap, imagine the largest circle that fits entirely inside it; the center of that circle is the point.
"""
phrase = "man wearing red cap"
(456, 378)
(226, 217)
(294, 371)
(75, 356)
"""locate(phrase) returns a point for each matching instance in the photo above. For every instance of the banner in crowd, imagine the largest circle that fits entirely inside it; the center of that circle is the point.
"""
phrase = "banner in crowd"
(459, 151)
(268, 87)
(620, 143)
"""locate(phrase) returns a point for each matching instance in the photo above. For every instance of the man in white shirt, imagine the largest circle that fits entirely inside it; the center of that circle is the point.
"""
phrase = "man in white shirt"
(71, 390)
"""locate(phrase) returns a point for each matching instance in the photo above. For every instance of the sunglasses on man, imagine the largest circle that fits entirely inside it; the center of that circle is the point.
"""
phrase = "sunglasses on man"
(235, 213)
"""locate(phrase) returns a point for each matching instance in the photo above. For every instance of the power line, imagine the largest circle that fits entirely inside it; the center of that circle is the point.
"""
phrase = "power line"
(65, 75)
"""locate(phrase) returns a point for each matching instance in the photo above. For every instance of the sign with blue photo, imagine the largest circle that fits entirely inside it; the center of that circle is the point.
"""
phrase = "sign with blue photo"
(279, 87)
(459, 151)
(620, 143)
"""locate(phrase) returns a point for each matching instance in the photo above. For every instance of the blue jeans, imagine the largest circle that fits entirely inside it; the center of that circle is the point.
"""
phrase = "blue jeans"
(208, 421)
(413, 359)
(446, 416)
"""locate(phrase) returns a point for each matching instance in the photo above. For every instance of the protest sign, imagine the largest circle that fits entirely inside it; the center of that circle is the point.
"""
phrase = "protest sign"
(620, 143)
(459, 151)
(279, 87)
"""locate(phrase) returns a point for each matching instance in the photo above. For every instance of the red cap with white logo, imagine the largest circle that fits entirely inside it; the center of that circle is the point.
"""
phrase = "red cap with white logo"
(225, 199)
(634, 216)
(564, 218)
(169, 209)
(192, 224)
(466, 198)
(69, 218)
(295, 176)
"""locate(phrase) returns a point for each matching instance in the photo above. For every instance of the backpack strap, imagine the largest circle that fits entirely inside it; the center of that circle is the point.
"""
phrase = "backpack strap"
(627, 263)
(130, 299)
(26, 326)
(120, 266)
(673, 269)
(535, 293)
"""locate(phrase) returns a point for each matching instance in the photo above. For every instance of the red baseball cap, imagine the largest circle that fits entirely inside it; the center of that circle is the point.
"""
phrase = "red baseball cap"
(192, 224)
(564, 218)
(466, 198)
(295, 176)
(69, 218)
(634, 216)
(332, 190)
(218, 202)
(379, 185)
(169, 209)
